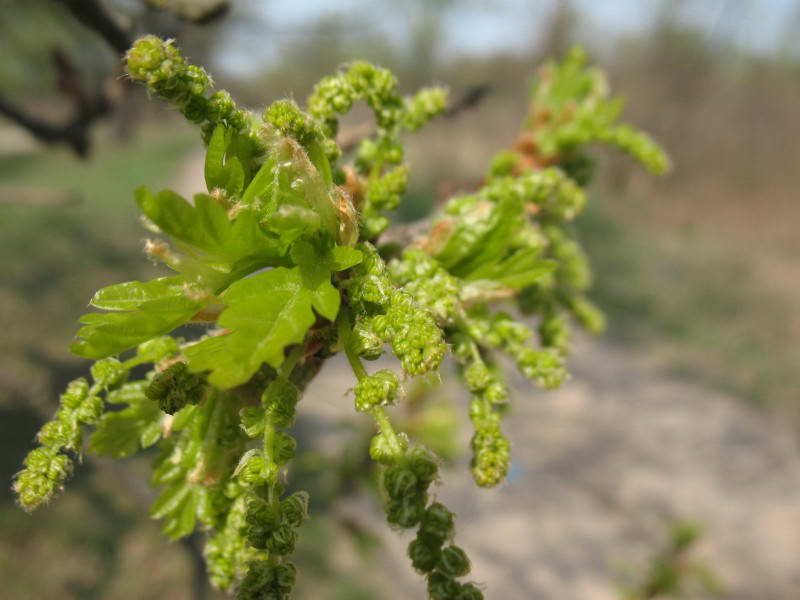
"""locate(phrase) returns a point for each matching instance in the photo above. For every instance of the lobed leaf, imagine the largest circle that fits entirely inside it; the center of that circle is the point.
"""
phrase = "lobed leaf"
(158, 307)
(265, 313)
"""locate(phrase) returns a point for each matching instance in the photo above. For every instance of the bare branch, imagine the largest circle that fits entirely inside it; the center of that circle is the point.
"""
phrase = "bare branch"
(93, 16)
(87, 109)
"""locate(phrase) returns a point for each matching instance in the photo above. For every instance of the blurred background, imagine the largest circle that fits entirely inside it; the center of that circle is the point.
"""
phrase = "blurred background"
(685, 410)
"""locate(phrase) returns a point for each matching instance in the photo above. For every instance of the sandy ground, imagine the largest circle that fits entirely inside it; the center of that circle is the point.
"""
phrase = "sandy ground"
(601, 469)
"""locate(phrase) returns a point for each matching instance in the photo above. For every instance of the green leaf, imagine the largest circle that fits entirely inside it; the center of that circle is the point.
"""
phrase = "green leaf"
(162, 306)
(326, 300)
(262, 182)
(214, 170)
(205, 230)
(291, 222)
(300, 184)
(132, 294)
(492, 236)
(344, 257)
(235, 172)
(521, 269)
(202, 226)
(177, 505)
(123, 433)
(266, 313)
(316, 270)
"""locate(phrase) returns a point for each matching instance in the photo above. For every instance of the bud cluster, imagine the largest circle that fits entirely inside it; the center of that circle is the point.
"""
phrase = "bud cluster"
(47, 467)
(268, 524)
(429, 284)
(571, 107)
(405, 482)
(378, 389)
(160, 66)
(378, 189)
(385, 313)
(491, 456)
(175, 387)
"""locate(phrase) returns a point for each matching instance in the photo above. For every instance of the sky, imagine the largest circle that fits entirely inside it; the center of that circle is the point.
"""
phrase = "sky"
(486, 26)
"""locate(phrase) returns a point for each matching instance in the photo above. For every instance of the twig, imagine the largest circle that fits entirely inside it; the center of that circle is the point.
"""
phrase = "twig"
(93, 16)
(87, 109)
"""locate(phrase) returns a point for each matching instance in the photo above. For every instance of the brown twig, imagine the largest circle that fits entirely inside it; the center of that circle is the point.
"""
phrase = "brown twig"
(87, 109)
(93, 16)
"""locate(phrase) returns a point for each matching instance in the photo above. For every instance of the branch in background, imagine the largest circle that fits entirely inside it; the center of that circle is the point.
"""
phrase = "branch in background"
(192, 11)
(469, 99)
(87, 109)
(92, 15)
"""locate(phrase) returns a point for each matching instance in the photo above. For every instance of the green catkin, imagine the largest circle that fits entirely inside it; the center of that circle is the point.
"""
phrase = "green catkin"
(175, 387)
(284, 259)
(161, 67)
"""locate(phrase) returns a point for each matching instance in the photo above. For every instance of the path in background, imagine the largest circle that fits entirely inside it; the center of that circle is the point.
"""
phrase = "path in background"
(601, 469)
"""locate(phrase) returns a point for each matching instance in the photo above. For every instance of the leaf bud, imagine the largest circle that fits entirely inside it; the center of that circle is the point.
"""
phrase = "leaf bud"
(220, 106)
(469, 591)
(423, 466)
(284, 447)
(423, 106)
(366, 342)
(195, 109)
(60, 433)
(378, 389)
(545, 367)
(257, 470)
(285, 575)
(279, 400)
(90, 410)
(290, 121)
(477, 376)
(381, 448)
(108, 373)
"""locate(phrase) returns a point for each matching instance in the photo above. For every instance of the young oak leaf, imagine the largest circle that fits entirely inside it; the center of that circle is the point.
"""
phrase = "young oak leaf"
(142, 311)
(178, 505)
(122, 433)
(132, 294)
(265, 313)
(316, 268)
(204, 230)
(225, 161)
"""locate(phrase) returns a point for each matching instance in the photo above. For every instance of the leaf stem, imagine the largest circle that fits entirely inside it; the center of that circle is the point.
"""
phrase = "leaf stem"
(291, 361)
(385, 425)
(344, 329)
